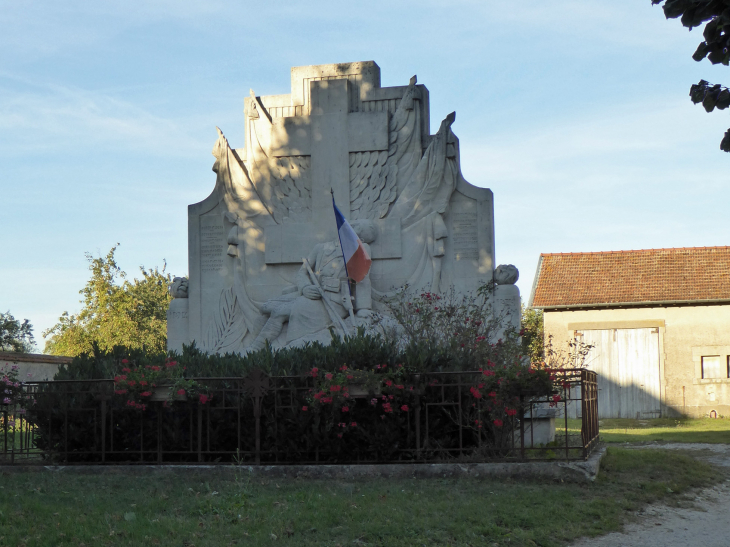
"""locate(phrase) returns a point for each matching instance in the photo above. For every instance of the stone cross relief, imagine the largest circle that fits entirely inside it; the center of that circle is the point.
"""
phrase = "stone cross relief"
(327, 136)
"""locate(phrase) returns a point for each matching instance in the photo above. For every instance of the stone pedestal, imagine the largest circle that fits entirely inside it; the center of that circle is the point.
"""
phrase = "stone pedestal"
(177, 324)
(507, 307)
(539, 428)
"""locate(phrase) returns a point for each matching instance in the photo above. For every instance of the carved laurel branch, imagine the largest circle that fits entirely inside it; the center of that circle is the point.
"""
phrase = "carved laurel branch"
(292, 187)
(374, 175)
(227, 327)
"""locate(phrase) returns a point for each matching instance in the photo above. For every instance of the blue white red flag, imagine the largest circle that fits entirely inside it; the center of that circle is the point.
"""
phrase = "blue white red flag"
(357, 260)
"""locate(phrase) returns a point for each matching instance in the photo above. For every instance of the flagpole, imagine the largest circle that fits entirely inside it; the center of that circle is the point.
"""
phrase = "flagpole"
(344, 261)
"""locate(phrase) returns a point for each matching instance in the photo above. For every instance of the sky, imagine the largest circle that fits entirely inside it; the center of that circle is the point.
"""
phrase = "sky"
(576, 114)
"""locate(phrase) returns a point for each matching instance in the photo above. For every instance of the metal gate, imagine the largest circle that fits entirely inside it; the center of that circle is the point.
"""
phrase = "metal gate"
(627, 363)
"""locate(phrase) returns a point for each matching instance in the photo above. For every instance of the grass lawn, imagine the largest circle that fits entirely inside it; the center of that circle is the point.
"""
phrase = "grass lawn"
(50, 509)
(682, 430)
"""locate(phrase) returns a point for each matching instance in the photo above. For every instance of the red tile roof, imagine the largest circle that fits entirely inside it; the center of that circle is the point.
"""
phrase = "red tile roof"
(622, 277)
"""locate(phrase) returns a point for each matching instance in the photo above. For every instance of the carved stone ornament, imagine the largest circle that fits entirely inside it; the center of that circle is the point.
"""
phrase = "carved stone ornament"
(264, 255)
(179, 287)
(506, 274)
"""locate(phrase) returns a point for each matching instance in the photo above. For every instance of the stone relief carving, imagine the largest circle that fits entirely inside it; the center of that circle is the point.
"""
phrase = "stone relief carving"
(292, 189)
(179, 287)
(280, 275)
(506, 274)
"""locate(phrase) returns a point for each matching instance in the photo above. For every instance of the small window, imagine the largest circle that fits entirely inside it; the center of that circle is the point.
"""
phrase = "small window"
(713, 367)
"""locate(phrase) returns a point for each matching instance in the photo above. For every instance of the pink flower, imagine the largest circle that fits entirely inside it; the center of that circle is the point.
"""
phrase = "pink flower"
(146, 393)
(404, 408)
(124, 361)
(181, 392)
(353, 424)
(125, 369)
(399, 387)
(343, 368)
(335, 388)
(305, 408)
(388, 383)
(204, 398)
(120, 391)
(350, 376)
(314, 372)
(373, 401)
(326, 400)
(339, 435)
(510, 411)
(498, 423)
(345, 409)
(328, 375)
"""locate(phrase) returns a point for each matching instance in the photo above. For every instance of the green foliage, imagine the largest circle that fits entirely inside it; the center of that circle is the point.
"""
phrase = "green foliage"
(14, 335)
(315, 413)
(533, 334)
(716, 15)
(116, 312)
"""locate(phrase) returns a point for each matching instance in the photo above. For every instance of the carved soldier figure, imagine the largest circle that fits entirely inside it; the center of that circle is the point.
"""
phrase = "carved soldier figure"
(321, 297)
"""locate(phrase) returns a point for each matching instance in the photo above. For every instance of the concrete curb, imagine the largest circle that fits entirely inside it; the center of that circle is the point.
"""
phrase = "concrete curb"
(580, 471)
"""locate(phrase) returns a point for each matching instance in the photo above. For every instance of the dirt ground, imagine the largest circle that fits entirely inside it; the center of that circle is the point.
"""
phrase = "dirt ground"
(706, 524)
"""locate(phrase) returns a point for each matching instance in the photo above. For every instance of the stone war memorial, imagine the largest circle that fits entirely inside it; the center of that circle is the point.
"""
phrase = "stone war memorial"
(265, 262)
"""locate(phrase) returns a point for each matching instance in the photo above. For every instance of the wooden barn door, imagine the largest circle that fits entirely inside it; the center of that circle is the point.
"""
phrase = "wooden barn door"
(627, 363)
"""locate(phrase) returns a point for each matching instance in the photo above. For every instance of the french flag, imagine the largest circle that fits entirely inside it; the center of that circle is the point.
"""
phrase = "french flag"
(357, 260)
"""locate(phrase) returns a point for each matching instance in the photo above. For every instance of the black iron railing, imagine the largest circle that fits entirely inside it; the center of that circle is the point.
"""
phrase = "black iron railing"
(262, 420)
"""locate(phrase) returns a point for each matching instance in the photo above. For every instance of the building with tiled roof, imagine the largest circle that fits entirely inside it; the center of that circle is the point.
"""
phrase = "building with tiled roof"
(630, 278)
(659, 321)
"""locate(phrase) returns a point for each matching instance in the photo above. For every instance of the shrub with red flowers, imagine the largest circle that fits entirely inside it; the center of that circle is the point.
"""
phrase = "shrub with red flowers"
(138, 383)
(457, 333)
(12, 397)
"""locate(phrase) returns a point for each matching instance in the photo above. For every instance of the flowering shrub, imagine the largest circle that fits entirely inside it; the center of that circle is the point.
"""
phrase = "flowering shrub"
(137, 383)
(13, 399)
(11, 389)
(361, 398)
(335, 396)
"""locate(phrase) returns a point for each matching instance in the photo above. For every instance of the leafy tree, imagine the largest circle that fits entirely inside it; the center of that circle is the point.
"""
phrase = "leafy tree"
(14, 335)
(716, 47)
(533, 336)
(116, 312)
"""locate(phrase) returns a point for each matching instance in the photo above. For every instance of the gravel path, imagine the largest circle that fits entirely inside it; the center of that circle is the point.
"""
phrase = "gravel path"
(706, 524)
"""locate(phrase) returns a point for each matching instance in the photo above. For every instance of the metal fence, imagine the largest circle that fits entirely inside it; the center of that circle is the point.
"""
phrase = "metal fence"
(262, 420)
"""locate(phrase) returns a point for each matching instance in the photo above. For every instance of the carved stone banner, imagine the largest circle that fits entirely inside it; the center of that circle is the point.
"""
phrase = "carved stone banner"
(264, 260)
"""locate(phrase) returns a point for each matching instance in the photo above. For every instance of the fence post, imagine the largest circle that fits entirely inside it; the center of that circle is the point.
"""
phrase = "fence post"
(522, 427)
(200, 433)
(103, 430)
(417, 378)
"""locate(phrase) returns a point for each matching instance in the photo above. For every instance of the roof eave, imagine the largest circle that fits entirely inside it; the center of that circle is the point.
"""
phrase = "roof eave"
(644, 304)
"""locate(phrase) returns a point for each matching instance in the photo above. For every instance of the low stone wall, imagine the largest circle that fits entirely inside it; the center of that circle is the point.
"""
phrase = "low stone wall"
(33, 366)
(574, 471)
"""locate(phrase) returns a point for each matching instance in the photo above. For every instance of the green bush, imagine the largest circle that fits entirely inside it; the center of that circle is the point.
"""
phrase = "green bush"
(312, 414)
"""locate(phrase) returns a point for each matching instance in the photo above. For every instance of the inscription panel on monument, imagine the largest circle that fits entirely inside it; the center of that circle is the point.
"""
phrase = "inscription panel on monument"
(176, 315)
(465, 239)
(212, 244)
